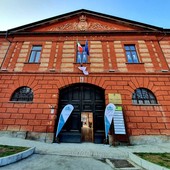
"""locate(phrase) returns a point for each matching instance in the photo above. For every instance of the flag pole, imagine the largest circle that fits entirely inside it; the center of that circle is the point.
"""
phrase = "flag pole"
(81, 63)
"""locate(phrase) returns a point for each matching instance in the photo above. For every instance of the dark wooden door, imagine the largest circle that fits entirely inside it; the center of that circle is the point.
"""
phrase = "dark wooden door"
(84, 98)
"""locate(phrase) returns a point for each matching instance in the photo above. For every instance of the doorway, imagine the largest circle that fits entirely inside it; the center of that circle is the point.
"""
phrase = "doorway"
(87, 126)
(89, 100)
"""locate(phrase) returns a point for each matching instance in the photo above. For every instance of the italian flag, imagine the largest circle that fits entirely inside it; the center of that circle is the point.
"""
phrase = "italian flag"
(80, 48)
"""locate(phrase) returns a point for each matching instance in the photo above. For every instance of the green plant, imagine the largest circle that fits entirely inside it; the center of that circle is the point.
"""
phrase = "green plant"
(162, 159)
(6, 150)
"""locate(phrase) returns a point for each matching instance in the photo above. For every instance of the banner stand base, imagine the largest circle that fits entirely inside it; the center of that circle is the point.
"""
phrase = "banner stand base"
(57, 140)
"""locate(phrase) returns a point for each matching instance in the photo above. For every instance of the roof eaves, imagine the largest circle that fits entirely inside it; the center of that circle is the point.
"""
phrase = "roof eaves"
(108, 32)
(2, 33)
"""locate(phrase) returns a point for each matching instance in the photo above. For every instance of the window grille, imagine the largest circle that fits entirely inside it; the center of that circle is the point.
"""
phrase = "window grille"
(22, 94)
(143, 96)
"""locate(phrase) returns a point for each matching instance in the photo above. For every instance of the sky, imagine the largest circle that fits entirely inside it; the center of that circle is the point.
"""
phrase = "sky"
(14, 13)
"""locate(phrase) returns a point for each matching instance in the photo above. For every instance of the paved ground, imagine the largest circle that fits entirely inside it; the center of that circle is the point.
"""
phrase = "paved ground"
(55, 162)
(74, 156)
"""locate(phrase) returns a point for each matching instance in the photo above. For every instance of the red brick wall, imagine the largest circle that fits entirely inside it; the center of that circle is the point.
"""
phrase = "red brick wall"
(3, 49)
(106, 54)
(35, 116)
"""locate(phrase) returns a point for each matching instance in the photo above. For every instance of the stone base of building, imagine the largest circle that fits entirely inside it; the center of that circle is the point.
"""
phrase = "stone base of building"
(149, 139)
(49, 137)
(42, 137)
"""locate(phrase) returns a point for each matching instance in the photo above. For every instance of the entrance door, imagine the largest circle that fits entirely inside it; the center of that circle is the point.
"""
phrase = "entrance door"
(85, 98)
(87, 126)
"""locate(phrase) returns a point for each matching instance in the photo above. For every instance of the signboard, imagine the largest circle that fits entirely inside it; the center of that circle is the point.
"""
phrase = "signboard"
(118, 119)
(115, 98)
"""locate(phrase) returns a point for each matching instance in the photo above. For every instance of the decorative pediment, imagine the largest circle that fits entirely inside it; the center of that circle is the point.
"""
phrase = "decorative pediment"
(82, 25)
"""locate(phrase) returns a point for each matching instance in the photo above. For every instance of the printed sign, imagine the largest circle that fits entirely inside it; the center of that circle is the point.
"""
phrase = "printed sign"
(119, 124)
(115, 98)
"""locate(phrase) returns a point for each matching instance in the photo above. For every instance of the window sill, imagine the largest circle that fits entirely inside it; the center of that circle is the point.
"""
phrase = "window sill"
(21, 102)
(135, 63)
(31, 63)
(81, 63)
(146, 104)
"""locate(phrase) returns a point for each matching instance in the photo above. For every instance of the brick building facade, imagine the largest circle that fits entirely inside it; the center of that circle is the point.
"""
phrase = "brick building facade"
(126, 59)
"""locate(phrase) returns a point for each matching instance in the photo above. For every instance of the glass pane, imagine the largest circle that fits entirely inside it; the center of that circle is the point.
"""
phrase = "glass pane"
(37, 48)
(134, 96)
(127, 48)
(145, 94)
(147, 101)
(140, 101)
(37, 57)
(15, 97)
(134, 101)
(132, 48)
(32, 57)
(129, 58)
(84, 57)
(135, 58)
(151, 96)
(139, 94)
(153, 102)
(78, 57)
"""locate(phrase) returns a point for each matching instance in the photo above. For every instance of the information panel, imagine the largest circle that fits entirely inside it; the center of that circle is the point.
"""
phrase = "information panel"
(118, 119)
(115, 98)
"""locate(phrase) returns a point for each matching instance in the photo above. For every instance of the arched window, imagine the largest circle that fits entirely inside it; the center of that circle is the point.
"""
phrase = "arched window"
(22, 94)
(143, 96)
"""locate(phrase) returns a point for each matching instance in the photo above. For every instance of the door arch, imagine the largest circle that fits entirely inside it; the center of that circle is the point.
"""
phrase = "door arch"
(85, 98)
